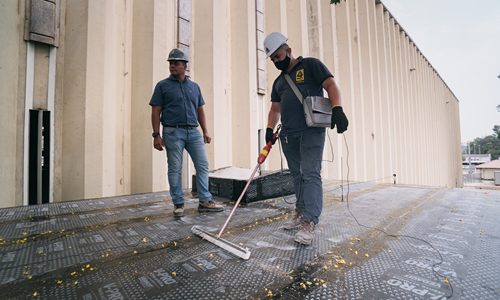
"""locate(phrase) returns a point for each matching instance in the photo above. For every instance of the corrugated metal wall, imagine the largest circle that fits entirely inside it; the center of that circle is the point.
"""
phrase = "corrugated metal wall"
(403, 117)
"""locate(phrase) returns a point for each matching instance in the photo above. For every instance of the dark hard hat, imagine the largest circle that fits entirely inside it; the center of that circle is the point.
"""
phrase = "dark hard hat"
(177, 54)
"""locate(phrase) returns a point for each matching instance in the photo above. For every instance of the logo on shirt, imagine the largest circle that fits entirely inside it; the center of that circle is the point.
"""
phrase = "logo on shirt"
(299, 76)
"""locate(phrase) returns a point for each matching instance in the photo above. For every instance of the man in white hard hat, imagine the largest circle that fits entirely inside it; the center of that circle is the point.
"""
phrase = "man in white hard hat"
(302, 145)
(178, 104)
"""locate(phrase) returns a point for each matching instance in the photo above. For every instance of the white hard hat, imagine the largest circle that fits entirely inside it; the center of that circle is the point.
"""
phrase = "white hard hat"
(177, 54)
(273, 41)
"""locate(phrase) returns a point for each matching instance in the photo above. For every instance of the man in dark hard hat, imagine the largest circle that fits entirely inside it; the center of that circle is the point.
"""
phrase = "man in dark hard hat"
(177, 102)
(302, 145)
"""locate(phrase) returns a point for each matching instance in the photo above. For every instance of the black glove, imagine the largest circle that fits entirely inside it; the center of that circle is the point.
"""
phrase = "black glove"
(269, 135)
(339, 119)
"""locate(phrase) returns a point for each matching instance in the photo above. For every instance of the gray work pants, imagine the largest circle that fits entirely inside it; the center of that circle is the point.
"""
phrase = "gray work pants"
(304, 153)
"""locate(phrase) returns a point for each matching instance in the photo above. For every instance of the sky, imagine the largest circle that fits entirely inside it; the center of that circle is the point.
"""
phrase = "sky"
(461, 39)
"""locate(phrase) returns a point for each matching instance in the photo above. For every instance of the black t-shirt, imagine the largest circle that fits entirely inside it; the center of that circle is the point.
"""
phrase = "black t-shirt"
(308, 74)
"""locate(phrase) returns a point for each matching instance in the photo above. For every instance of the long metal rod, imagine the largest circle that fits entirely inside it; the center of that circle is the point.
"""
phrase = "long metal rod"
(239, 199)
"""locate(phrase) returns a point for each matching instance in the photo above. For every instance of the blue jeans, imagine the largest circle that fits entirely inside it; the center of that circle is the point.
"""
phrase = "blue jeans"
(176, 140)
(304, 153)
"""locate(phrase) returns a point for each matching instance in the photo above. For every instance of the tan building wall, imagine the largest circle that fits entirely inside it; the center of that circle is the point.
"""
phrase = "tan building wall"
(98, 80)
(488, 174)
(12, 75)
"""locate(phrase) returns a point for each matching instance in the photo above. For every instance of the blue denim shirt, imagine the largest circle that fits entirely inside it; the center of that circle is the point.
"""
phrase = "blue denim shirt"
(179, 101)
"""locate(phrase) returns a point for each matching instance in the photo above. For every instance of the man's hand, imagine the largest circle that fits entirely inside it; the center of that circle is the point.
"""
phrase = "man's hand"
(339, 119)
(207, 138)
(158, 143)
(269, 135)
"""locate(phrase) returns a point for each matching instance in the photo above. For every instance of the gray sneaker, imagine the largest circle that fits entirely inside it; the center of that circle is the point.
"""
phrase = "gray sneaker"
(179, 210)
(210, 206)
(294, 222)
(306, 233)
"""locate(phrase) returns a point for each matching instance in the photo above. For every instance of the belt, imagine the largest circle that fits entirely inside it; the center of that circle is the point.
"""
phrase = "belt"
(181, 126)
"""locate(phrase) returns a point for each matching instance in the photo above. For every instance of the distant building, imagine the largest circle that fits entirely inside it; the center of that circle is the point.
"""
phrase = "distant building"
(488, 169)
(475, 159)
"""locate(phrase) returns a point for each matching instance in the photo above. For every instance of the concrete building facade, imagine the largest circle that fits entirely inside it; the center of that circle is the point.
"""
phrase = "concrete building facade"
(81, 73)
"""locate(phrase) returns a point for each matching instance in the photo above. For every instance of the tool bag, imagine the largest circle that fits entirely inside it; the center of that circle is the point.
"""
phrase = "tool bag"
(317, 110)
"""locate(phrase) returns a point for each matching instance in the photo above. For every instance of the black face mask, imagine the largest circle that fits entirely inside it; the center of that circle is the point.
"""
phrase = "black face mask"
(283, 65)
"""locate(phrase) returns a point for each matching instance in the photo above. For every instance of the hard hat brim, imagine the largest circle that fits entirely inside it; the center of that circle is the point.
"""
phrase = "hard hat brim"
(177, 59)
(271, 53)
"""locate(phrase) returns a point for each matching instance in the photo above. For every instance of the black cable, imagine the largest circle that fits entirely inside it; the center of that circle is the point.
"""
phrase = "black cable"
(436, 273)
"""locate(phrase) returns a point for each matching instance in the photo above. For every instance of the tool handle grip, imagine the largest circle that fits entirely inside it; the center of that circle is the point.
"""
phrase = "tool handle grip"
(267, 148)
(264, 152)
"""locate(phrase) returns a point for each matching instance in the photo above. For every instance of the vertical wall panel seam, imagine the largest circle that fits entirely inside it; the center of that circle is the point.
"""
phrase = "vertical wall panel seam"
(28, 104)
(51, 105)
(361, 93)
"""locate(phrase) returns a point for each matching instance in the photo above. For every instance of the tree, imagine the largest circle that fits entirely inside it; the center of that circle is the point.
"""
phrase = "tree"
(489, 144)
(496, 129)
(335, 2)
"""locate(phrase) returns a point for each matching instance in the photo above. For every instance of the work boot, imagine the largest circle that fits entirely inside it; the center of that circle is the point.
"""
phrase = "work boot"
(294, 222)
(179, 210)
(209, 206)
(306, 233)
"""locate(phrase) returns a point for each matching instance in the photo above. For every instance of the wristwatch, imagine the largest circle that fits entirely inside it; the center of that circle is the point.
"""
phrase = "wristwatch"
(155, 134)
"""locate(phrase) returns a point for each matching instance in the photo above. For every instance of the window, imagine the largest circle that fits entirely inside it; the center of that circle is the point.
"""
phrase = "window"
(184, 9)
(261, 56)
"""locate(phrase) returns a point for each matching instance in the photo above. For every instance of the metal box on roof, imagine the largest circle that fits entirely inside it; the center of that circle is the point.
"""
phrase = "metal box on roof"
(229, 183)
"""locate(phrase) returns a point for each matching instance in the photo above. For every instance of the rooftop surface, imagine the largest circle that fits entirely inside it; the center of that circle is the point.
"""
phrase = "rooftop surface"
(132, 247)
